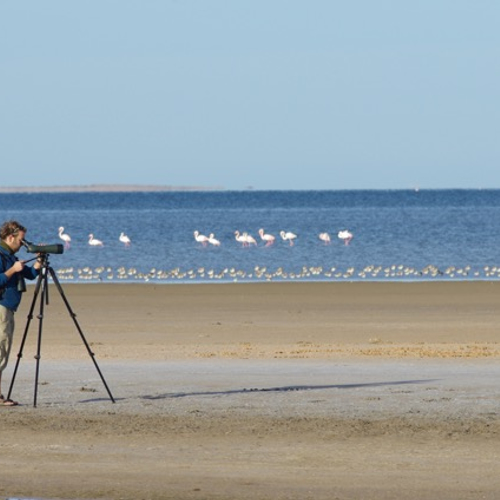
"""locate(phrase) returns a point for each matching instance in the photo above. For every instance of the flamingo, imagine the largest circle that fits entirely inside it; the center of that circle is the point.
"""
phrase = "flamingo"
(288, 236)
(201, 238)
(124, 239)
(95, 242)
(241, 238)
(249, 239)
(268, 238)
(346, 236)
(325, 237)
(213, 241)
(65, 237)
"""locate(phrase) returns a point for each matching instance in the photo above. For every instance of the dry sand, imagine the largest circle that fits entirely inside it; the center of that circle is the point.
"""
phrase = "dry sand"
(258, 391)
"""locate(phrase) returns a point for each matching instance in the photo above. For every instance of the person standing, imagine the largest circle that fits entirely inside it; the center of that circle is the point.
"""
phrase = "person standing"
(12, 274)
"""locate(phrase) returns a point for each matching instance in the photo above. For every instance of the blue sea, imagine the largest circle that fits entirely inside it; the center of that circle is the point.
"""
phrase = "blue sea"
(397, 234)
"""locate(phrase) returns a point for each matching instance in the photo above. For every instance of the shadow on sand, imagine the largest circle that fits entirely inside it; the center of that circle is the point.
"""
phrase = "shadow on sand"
(287, 388)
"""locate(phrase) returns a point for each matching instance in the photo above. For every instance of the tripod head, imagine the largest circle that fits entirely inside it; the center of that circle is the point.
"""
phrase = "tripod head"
(43, 258)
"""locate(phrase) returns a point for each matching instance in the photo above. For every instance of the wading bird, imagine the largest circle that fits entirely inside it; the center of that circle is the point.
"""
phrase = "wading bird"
(325, 237)
(346, 236)
(241, 238)
(200, 238)
(65, 237)
(124, 239)
(250, 240)
(213, 240)
(268, 238)
(94, 242)
(288, 236)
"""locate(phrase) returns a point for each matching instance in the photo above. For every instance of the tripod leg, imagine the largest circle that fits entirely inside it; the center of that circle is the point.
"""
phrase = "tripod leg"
(73, 316)
(43, 301)
(41, 278)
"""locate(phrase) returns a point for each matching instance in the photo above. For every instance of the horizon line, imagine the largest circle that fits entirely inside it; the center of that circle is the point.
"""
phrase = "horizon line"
(160, 188)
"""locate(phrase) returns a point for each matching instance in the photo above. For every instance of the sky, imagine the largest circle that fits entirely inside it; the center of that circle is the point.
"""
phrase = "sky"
(261, 94)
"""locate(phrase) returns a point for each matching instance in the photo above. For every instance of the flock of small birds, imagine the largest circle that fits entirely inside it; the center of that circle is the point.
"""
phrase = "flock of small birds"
(262, 273)
(268, 239)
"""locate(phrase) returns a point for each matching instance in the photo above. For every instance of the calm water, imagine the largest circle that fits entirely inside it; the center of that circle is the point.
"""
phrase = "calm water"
(398, 235)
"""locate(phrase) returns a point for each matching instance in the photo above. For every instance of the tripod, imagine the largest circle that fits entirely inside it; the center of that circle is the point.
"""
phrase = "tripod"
(42, 285)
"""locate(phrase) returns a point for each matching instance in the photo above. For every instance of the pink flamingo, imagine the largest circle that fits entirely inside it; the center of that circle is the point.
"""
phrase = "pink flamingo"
(346, 236)
(65, 237)
(268, 238)
(249, 239)
(240, 238)
(325, 237)
(124, 239)
(213, 241)
(94, 242)
(200, 238)
(288, 236)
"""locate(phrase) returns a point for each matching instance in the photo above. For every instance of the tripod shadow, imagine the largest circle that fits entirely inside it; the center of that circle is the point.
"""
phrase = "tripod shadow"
(288, 388)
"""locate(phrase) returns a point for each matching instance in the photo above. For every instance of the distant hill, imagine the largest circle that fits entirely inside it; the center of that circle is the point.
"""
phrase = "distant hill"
(103, 188)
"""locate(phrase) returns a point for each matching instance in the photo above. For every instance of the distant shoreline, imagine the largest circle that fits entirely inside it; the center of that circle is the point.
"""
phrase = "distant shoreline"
(104, 188)
(116, 188)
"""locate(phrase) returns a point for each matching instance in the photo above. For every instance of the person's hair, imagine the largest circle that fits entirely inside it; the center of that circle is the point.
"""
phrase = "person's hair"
(9, 228)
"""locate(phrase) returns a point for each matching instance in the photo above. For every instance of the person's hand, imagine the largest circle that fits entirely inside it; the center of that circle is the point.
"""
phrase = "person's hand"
(39, 261)
(18, 266)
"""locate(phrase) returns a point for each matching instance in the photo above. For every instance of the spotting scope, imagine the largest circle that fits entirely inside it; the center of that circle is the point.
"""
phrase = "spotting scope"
(32, 248)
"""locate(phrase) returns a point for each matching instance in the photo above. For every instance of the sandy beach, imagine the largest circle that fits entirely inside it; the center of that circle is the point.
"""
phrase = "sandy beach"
(258, 391)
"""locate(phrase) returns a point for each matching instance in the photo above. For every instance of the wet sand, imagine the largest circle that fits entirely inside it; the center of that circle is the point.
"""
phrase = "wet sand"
(293, 390)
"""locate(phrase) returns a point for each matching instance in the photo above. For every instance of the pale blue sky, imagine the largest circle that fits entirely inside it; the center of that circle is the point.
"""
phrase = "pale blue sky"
(272, 94)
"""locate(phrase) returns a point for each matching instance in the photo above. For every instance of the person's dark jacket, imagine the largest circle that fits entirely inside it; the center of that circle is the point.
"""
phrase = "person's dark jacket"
(9, 293)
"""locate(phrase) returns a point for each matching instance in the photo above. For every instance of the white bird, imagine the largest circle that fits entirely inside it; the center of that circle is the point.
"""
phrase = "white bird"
(65, 237)
(325, 237)
(268, 238)
(346, 236)
(213, 240)
(200, 238)
(240, 238)
(95, 242)
(288, 236)
(249, 239)
(124, 239)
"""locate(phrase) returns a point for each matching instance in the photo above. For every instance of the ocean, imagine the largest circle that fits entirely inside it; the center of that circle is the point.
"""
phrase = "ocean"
(396, 234)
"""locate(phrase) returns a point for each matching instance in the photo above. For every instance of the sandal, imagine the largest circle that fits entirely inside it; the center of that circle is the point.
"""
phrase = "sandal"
(7, 402)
